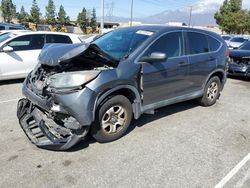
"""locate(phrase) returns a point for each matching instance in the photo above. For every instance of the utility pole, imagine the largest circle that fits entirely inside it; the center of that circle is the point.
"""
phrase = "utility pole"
(190, 16)
(131, 18)
(102, 15)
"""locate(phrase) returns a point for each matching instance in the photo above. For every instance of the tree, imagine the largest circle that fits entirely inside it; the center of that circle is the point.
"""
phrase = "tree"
(35, 12)
(51, 12)
(248, 22)
(22, 15)
(63, 19)
(231, 17)
(82, 20)
(93, 23)
(8, 10)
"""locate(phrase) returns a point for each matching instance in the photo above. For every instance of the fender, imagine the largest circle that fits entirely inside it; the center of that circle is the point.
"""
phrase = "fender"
(136, 105)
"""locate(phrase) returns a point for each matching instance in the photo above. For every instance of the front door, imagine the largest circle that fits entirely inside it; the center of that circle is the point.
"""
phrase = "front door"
(165, 80)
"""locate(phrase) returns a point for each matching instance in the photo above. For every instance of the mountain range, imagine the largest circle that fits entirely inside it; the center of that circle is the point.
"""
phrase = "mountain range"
(202, 15)
(198, 19)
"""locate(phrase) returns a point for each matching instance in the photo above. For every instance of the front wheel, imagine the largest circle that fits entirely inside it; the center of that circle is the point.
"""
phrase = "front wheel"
(113, 119)
(211, 92)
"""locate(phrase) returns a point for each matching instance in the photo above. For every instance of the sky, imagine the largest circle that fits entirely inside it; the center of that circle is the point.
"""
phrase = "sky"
(121, 8)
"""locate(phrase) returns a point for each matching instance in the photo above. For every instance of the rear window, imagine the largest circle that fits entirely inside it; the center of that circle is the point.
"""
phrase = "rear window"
(2, 28)
(197, 43)
(15, 28)
(58, 39)
(214, 45)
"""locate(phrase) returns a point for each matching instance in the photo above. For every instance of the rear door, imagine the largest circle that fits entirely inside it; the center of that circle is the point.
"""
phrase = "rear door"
(166, 80)
(23, 59)
(201, 61)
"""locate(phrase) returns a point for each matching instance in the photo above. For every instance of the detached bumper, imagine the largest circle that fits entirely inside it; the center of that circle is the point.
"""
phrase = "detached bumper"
(42, 131)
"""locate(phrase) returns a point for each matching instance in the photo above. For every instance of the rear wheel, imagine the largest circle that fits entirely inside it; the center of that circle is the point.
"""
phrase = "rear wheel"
(113, 119)
(211, 92)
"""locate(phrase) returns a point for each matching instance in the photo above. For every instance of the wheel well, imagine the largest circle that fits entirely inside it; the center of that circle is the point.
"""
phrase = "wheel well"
(125, 92)
(219, 74)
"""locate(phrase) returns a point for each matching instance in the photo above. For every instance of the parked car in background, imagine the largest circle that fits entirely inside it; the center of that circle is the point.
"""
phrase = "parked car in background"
(19, 50)
(99, 88)
(236, 41)
(8, 26)
(10, 31)
(227, 37)
(239, 62)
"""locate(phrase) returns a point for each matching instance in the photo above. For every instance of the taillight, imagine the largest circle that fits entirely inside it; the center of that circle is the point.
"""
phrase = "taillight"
(227, 53)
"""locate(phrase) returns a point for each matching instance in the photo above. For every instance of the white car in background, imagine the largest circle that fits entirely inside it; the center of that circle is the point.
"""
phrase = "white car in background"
(236, 41)
(19, 50)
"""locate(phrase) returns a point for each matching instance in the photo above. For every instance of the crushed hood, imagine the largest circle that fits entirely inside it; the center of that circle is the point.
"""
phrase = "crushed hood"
(54, 54)
(57, 54)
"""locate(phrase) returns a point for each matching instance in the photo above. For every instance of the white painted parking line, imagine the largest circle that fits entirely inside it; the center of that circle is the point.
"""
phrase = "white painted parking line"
(11, 100)
(233, 172)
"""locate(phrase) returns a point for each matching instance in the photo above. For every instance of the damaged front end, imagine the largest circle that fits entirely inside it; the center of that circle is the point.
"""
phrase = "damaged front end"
(239, 66)
(58, 108)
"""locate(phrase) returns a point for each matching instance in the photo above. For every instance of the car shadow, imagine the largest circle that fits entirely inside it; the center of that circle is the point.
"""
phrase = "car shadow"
(162, 112)
(145, 119)
(9, 82)
(241, 78)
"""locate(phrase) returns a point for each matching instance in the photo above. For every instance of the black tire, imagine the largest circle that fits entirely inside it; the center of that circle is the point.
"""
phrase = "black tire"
(106, 123)
(211, 92)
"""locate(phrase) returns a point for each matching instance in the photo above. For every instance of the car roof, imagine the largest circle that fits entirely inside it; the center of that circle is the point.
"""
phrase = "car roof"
(164, 29)
(28, 32)
(10, 24)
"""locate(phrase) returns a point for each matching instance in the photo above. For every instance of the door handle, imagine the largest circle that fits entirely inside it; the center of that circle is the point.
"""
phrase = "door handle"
(182, 64)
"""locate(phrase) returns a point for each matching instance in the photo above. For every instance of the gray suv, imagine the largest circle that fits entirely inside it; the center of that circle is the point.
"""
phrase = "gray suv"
(8, 26)
(99, 88)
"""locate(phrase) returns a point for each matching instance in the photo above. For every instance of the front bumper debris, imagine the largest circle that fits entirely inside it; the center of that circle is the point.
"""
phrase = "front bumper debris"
(44, 132)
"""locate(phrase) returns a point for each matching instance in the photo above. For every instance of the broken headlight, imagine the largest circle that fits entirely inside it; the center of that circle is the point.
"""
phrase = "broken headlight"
(71, 80)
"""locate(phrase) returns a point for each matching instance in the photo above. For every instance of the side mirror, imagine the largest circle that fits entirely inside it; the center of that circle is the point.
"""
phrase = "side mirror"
(8, 49)
(155, 57)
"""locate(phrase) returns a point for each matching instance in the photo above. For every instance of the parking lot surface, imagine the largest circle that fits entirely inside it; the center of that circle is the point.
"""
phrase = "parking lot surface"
(182, 145)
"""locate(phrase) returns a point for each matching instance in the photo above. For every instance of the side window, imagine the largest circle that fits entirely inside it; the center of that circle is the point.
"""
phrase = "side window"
(197, 43)
(58, 39)
(27, 42)
(14, 28)
(2, 27)
(214, 45)
(170, 44)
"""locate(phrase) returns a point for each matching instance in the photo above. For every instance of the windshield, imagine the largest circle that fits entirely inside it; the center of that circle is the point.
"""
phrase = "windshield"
(121, 43)
(5, 37)
(226, 37)
(245, 46)
(238, 39)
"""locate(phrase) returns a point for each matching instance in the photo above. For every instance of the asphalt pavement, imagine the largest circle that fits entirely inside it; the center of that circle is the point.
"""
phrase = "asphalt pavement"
(183, 145)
